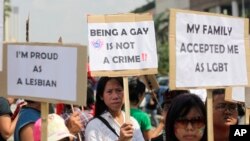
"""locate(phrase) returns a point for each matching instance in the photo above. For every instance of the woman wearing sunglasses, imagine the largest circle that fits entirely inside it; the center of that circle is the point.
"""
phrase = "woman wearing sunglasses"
(186, 119)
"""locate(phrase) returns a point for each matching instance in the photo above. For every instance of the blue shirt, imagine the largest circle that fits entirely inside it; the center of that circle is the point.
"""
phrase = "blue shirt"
(27, 115)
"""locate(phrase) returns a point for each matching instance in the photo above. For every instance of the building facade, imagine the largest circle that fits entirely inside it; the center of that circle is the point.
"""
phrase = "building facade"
(229, 7)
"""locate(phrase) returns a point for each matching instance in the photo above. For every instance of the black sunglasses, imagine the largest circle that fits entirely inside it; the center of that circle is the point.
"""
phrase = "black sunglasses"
(196, 122)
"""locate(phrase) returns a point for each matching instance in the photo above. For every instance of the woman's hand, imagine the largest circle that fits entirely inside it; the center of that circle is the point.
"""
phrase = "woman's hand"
(74, 123)
(126, 131)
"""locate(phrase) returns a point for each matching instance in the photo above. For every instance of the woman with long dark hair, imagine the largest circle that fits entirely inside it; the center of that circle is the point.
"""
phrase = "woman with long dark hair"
(186, 119)
(109, 122)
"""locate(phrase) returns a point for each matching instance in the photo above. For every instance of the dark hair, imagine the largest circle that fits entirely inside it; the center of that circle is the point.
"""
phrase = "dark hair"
(171, 94)
(30, 101)
(218, 92)
(100, 106)
(90, 97)
(180, 107)
(241, 109)
(136, 89)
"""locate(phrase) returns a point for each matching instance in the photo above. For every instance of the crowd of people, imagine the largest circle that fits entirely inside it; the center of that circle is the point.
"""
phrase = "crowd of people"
(183, 116)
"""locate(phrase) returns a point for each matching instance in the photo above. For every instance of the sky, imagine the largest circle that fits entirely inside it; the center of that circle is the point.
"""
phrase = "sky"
(50, 19)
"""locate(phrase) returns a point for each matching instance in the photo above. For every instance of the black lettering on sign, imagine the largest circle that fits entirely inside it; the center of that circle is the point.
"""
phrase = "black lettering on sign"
(124, 32)
(126, 59)
(43, 55)
(19, 81)
(217, 30)
(106, 60)
(37, 69)
(199, 67)
(233, 49)
(120, 45)
(21, 54)
(40, 82)
(193, 28)
(217, 67)
(138, 31)
(103, 32)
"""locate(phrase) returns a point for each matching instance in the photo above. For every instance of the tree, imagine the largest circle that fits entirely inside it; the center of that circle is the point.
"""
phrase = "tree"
(163, 58)
(161, 29)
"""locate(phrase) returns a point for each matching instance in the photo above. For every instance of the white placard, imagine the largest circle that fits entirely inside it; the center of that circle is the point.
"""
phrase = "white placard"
(1, 34)
(238, 94)
(122, 46)
(202, 93)
(42, 71)
(210, 51)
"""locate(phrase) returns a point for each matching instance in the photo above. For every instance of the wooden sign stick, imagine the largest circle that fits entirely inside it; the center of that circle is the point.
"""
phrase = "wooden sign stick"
(210, 128)
(72, 107)
(247, 116)
(44, 117)
(44, 105)
(126, 98)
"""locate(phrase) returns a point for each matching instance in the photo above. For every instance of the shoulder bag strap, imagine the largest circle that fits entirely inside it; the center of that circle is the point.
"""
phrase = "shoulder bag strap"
(107, 124)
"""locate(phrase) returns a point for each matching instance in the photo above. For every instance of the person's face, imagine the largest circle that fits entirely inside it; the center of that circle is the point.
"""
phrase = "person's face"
(113, 95)
(225, 113)
(190, 127)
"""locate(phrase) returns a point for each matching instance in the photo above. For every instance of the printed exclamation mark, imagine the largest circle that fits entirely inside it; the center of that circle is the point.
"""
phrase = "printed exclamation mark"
(146, 56)
(142, 56)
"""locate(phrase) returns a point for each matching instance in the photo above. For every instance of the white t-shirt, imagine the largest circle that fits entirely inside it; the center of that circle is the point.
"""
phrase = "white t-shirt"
(96, 130)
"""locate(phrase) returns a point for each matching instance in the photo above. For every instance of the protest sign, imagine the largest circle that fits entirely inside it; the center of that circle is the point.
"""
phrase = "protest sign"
(1, 34)
(202, 93)
(45, 72)
(122, 45)
(235, 94)
(207, 50)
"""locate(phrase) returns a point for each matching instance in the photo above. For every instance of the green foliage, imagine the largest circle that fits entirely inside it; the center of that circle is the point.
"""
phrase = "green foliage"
(147, 7)
(161, 27)
(163, 59)
(161, 31)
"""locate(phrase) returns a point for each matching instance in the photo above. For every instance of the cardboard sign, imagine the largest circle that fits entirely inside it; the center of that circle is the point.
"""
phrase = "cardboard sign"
(122, 45)
(207, 50)
(1, 34)
(235, 94)
(202, 93)
(45, 72)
